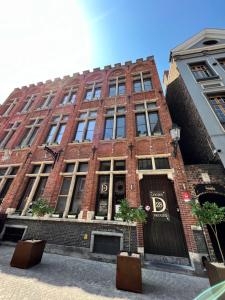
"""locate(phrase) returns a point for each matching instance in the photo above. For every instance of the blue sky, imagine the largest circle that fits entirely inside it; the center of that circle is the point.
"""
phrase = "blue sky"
(45, 39)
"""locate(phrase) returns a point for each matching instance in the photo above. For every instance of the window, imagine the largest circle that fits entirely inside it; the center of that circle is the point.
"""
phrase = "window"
(85, 126)
(201, 71)
(115, 123)
(30, 133)
(93, 91)
(46, 103)
(147, 119)
(217, 103)
(72, 189)
(58, 125)
(111, 187)
(8, 133)
(69, 97)
(145, 164)
(222, 63)
(9, 106)
(27, 104)
(35, 186)
(7, 174)
(117, 86)
(142, 82)
(153, 163)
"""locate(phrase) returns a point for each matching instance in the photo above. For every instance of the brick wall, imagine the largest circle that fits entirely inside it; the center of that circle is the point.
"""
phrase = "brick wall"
(142, 145)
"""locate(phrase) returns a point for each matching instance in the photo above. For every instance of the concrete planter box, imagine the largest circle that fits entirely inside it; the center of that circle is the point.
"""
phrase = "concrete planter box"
(216, 272)
(128, 273)
(27, 253)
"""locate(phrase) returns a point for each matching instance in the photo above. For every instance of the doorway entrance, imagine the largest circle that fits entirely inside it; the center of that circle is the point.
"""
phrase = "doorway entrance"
(163, 231)
(219, 199)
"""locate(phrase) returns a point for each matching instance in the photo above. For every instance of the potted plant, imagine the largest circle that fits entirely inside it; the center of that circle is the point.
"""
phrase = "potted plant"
(128, 273)
(211, 214)
(41, 208)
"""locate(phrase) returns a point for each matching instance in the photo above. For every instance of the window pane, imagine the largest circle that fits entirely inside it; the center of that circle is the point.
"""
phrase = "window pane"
(162, 163)
(141, 126)
(69, 168)
(73, 98)
(5, 189)
(144, 164)
(47, 168)
(147, 84)
(79, 132)
(121, 89)
(25, 194)
(140, 106)
(40, 188)
(60, 133)
(3, 171)
(120, 127)
(112, 90)
(83, 115)
(65, 186)
(102, 196)
(121, 109)
(14, 170)
(83, 167)
(151, 105)
(88, 95)
(110, 111)
(97, 93)
(23, 141)
(119, 165)
(32, 137)
(154, 123)
(78, 195)
(90, 130)
(51, 134)
(93, 113)
(61, 204)
(35, 169)
(108, 134)
(137, 86)
(65, 99)
(119, 191)
(105, 165)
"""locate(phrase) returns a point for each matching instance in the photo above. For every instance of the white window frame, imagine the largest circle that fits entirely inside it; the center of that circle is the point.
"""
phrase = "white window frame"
(37, 177)
(117, 80)
(114, 116)
(32, 128)
(141, 76)
(73, 175)
(56, 132)
(111, 172)
(92, 86)
(147, 110)
(10, 132)
(85, 120)
(12, 103)
(7, 174)
(68, 94)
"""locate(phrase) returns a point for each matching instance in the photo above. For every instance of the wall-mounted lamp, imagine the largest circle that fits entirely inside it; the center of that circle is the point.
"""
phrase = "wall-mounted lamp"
(131, 147)
(175, 135)
(93, 149)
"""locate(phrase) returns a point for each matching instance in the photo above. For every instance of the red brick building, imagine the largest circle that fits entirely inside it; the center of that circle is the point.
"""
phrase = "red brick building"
(110, 132)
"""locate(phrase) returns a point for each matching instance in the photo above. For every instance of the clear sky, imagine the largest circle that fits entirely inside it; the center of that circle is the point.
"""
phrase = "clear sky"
(44, 39)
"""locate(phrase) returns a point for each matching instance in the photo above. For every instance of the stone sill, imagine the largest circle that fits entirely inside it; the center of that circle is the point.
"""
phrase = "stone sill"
(69, 220)
(150, 136)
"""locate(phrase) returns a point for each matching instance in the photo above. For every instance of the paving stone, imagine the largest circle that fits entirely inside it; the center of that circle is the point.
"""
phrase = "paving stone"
(69, 278)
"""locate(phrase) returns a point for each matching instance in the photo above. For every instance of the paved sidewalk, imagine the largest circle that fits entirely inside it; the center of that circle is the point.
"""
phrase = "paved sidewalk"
(65, 278)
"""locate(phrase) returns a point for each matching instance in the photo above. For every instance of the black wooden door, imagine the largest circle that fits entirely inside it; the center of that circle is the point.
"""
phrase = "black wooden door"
(163, 231)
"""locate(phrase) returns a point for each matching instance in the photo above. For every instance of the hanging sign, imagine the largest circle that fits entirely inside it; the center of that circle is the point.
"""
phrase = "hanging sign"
(159, 206)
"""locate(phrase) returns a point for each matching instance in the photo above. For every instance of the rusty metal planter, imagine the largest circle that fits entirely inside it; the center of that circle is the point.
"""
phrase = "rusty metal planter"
(27, 253)
(128, 274)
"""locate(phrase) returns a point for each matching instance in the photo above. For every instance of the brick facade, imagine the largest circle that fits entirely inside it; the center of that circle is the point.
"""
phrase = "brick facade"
(129, 147)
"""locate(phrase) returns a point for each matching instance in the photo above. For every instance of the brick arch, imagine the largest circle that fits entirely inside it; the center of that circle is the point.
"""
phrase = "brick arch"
(139, 67)
(116, 72)
(94, 77)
